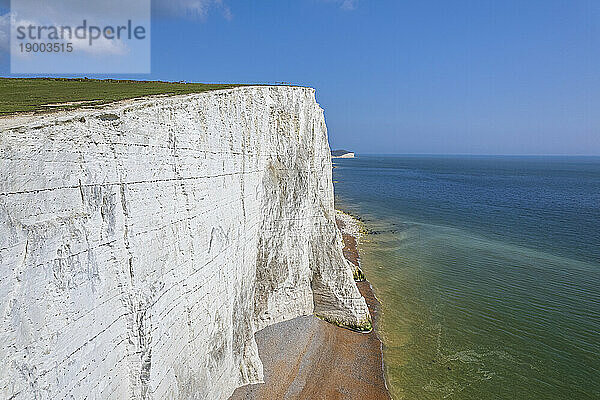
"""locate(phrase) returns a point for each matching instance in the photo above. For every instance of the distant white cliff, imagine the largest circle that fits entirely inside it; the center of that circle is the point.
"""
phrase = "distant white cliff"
(143, 244)
(342, 154)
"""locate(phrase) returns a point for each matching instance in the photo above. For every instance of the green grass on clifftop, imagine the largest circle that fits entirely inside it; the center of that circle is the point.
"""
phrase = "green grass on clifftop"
(39, 94)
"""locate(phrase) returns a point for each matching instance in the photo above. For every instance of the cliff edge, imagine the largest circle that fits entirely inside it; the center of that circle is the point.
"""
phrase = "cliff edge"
(143, 244)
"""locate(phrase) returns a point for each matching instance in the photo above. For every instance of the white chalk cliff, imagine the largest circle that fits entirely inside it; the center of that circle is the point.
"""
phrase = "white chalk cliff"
(143, 244)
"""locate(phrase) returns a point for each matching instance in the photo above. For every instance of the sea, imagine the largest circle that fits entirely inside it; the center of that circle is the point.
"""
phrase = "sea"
(488, 271)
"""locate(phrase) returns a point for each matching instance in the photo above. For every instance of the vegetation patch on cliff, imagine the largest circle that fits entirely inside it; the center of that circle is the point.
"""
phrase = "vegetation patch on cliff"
(358, 275)
(43, 94)
(364, 326)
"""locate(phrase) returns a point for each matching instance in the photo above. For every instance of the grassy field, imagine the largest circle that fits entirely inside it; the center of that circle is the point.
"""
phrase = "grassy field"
(36, 94)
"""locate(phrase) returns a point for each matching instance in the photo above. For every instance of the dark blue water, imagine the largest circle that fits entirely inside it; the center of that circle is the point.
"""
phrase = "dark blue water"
(488, 269)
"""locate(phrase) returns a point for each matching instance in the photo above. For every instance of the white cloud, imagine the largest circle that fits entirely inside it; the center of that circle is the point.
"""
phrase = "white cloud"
(101, 46)
(70, 12)
(122, 54)
(348, 4)
(196, 9)
(4, 32)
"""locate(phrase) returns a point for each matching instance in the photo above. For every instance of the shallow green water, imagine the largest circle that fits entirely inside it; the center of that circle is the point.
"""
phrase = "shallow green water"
(488, 269)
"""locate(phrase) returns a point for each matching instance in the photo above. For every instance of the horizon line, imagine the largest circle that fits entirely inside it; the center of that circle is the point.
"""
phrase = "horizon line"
(473, 154)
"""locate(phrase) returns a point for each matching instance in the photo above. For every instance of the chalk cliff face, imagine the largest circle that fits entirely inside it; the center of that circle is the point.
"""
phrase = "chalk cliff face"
(143, 244)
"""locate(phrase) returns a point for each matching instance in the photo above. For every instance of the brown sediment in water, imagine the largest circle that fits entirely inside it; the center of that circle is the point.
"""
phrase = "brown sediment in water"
(306, 358)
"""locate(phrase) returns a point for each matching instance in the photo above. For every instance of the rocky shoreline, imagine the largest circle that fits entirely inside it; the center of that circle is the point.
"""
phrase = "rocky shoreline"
(307, 358)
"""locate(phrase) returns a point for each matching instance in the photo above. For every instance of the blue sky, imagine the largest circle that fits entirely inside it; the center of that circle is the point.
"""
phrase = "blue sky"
(482, 77)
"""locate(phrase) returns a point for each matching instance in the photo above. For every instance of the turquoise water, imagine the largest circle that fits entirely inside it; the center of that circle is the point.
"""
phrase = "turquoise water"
(488, 269)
